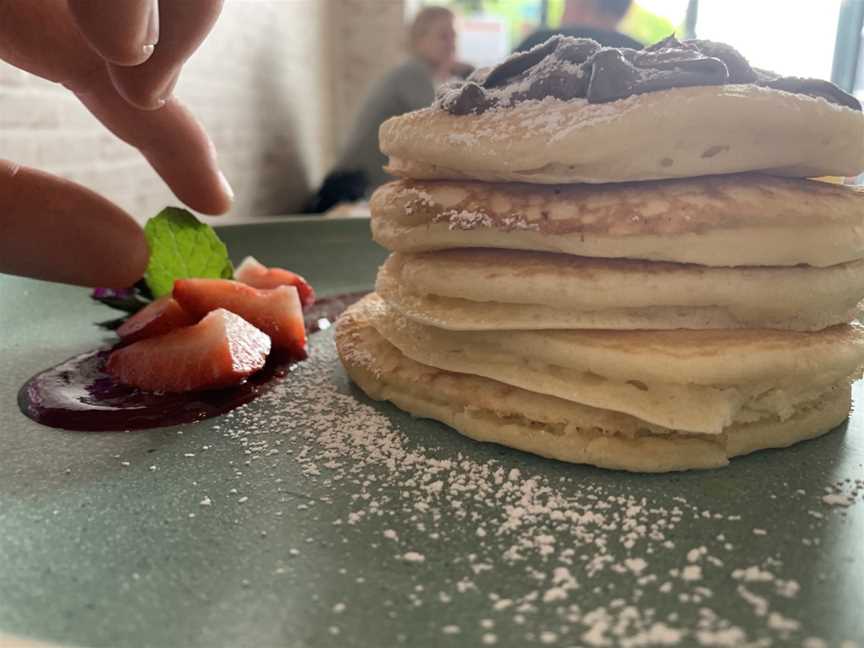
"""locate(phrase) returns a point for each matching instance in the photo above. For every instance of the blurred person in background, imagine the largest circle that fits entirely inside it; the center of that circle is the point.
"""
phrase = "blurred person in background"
(410, 86)
(596, 19)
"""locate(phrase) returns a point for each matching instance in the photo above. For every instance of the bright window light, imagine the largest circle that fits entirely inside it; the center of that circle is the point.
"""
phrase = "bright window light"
(791, 37)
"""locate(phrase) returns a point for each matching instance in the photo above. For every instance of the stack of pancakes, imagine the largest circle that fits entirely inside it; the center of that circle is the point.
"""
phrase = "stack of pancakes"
(646, 283)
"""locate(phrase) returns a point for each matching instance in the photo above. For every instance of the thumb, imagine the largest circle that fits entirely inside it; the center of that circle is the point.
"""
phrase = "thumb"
(57, 230)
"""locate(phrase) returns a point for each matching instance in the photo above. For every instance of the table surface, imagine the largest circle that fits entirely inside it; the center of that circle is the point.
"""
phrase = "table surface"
(314, 517)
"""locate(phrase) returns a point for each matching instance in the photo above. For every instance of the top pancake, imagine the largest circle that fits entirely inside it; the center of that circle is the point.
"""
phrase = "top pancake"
(732, 220)
(677, 133)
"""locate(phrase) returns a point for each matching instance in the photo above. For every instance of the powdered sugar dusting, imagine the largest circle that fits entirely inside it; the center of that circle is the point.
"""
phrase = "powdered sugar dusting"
(416, 199)
(540, 552)
(837, 500)
(462, 219)
(549, 118)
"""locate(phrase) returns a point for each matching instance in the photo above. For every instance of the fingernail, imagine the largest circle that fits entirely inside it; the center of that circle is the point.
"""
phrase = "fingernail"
(226, 187)
(151, 35)
(148, 51)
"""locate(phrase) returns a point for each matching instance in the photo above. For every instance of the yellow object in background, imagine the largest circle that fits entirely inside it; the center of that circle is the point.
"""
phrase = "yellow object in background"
(648, 27)
(640, 23)
(522, 17)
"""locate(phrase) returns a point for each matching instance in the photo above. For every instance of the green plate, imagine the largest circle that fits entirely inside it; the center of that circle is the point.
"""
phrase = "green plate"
(314, 517)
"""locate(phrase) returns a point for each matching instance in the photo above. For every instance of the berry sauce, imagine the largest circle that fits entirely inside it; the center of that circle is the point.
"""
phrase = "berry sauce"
(78, 395)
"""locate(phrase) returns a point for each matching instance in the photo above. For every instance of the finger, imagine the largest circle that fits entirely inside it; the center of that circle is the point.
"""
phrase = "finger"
(182, 27)
(172, 140)
(57, 230)
(124, 32)
(41, 37)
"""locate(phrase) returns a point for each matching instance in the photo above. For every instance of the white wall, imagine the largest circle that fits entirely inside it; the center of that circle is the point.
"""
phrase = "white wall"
(276, 84)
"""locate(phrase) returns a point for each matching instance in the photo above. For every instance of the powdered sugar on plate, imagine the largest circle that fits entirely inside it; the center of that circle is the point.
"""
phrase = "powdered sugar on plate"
(492, 547)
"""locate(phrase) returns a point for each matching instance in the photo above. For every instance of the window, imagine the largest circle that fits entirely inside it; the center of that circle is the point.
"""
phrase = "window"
(791, 37)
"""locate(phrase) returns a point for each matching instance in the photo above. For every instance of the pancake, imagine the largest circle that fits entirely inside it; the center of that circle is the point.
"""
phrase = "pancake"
(698, 381)
(491, 411)
(735, 220)
(676, 133)
(493, 289)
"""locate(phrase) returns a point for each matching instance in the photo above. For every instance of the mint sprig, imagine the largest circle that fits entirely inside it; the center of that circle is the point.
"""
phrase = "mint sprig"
(182, 247)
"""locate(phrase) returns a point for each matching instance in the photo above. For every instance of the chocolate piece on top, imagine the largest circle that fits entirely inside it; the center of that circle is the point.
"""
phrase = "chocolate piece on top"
(618, 74)
(466, 99)
(569, 68)
(519, 63)
(814, 88)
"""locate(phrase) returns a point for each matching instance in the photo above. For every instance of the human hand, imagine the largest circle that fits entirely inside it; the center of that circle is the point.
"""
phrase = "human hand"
(122, 59)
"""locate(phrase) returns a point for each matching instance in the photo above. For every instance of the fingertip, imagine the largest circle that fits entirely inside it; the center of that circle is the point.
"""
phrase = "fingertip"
(124, 34)
(222, 199)
(132, 84)
(132, 58)
(130, 269)
(175, 144)
(57, 230)
(205, 189)
(128, 56)
(214, 204)
(227, 198)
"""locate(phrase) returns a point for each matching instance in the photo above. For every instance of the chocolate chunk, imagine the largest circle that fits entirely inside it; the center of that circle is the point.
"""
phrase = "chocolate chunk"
(576, 50)
(519, 63)
(702, 71)
(739, 69)
(445, 89)
(561, 84)
(668, 59)
(629, 53)
(683, 67)
(814, 88)
(466, 99)
(612, 77)
(568, 68)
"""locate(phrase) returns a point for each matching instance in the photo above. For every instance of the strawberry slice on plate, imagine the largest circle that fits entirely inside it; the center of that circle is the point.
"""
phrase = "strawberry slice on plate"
(257, 275)
(156, 318)
(221, 350)
(277, 312)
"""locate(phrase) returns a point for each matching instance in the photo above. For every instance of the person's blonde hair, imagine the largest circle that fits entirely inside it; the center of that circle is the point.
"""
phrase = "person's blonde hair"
(423, 21)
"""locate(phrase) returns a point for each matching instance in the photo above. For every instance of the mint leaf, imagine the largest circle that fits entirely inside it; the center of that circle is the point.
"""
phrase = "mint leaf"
(181, 247)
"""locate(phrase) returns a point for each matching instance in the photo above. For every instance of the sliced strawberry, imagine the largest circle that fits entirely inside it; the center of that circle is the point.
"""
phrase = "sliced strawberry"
(254, 274)
(158, 318)
(221, 350)
(277, 312)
